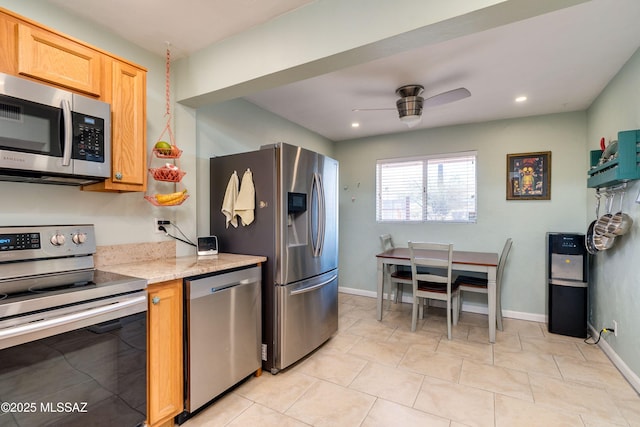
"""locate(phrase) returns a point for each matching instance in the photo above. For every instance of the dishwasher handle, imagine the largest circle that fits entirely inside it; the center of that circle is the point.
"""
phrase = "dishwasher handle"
(204, 286)
(230, 285)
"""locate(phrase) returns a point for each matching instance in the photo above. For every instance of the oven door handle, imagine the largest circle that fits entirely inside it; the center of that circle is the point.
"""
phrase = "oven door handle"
(69, 318)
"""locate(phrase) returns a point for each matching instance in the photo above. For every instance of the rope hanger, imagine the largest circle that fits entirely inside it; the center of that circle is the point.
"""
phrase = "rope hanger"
(167, 92)
(170, 172)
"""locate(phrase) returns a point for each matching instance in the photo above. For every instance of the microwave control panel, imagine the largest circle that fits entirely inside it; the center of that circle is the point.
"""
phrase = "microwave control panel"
(88, 138)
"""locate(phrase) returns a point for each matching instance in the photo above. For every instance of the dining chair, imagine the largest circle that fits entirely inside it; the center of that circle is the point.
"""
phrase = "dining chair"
(398, 277)
(479, 284)
(436, 283)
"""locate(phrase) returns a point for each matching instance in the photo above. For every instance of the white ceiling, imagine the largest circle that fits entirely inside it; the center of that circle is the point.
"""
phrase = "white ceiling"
(189, 25)
(561, 61)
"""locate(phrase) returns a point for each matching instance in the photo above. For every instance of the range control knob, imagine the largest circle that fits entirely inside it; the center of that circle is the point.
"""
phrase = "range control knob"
(79, 238)
(57, 239)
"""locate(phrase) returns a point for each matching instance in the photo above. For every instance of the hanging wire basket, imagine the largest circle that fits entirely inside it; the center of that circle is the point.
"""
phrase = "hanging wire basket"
(177, 202)
(167, 174)
(167, 153)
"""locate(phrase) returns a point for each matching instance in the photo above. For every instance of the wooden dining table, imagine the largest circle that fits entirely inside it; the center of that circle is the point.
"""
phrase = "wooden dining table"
(482, 262)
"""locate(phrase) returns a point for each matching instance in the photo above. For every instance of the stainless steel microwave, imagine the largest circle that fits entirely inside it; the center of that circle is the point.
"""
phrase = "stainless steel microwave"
(52, 136)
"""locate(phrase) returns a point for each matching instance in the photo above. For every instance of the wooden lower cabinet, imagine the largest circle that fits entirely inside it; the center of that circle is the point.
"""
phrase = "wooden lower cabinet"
(164, 352)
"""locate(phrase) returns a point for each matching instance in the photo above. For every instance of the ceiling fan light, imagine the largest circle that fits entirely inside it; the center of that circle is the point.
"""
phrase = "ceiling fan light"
(411, 120)
(410, 110)
(410, 105)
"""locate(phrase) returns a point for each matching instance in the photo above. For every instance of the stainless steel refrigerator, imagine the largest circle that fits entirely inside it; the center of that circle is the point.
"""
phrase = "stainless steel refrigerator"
(296, 227)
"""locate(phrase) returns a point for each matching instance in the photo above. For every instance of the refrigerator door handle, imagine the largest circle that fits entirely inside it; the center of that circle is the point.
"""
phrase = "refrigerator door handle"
(316, 243)
(314, 287)
(322, 216)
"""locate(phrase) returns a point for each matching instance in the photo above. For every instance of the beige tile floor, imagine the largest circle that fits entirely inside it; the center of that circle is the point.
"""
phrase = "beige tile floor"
(374, 373)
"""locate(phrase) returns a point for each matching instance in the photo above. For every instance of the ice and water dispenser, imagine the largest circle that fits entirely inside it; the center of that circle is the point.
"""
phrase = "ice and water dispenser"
(567, 262)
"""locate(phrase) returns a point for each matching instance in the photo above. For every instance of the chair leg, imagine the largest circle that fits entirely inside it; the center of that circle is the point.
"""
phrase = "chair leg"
(414, 314)
(392, 286)
(421, 307)
(499, 313)
(399, 289)
(449, 319)
(456, 308)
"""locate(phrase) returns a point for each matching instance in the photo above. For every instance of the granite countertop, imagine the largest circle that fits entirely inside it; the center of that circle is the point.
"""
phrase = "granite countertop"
(164, 269)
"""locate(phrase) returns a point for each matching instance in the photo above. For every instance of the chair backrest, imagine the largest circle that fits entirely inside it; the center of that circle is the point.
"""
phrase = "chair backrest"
(434, 255)
(503, 259)
(386, 241)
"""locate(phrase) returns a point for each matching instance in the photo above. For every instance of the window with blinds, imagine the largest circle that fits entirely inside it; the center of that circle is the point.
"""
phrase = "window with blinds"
(434, 188)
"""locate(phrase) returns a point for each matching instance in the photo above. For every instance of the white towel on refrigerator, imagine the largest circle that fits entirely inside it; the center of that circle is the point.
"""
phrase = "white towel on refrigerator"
(229, 201)
(246, 201)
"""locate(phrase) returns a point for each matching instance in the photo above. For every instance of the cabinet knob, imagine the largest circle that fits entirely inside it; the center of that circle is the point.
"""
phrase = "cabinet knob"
(155, 300)
(118, 175)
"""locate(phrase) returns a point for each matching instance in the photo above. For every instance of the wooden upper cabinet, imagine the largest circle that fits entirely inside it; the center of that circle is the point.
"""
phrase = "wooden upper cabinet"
(8, 45)
(129, 88)
(125, 88)
(55, 59)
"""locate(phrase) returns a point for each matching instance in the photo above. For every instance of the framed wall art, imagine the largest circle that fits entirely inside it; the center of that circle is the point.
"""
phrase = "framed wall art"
(529, 176)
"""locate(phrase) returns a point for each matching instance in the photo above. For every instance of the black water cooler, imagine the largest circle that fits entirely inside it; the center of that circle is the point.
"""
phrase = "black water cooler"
(567, 264)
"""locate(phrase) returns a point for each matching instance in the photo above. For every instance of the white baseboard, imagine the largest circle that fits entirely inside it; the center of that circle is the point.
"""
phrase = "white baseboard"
(626, 372)
(468, 307)
(511, 314)
(360, 292)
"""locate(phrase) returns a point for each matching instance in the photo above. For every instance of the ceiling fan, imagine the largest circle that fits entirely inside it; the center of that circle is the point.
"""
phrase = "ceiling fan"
(410, 104)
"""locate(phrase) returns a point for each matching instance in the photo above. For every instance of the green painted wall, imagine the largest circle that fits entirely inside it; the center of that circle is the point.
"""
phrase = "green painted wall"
(524, 290)
(615, 283)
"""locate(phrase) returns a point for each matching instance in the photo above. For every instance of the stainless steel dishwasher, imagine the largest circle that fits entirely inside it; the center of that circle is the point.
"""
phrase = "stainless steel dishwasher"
(223, 333)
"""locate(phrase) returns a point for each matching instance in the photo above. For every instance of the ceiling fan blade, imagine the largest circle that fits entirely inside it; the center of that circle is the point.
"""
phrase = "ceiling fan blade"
(447, 97)
(373, 109)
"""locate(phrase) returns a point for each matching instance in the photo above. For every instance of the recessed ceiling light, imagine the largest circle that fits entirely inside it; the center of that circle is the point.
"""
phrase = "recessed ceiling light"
(521, 99)
(355, 125)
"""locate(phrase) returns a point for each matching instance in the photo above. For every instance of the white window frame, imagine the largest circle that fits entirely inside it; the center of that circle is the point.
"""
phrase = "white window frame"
(416, 207)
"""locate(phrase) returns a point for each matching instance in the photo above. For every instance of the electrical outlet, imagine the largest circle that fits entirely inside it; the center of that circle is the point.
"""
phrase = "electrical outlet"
(157, 222)
(615, 328)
